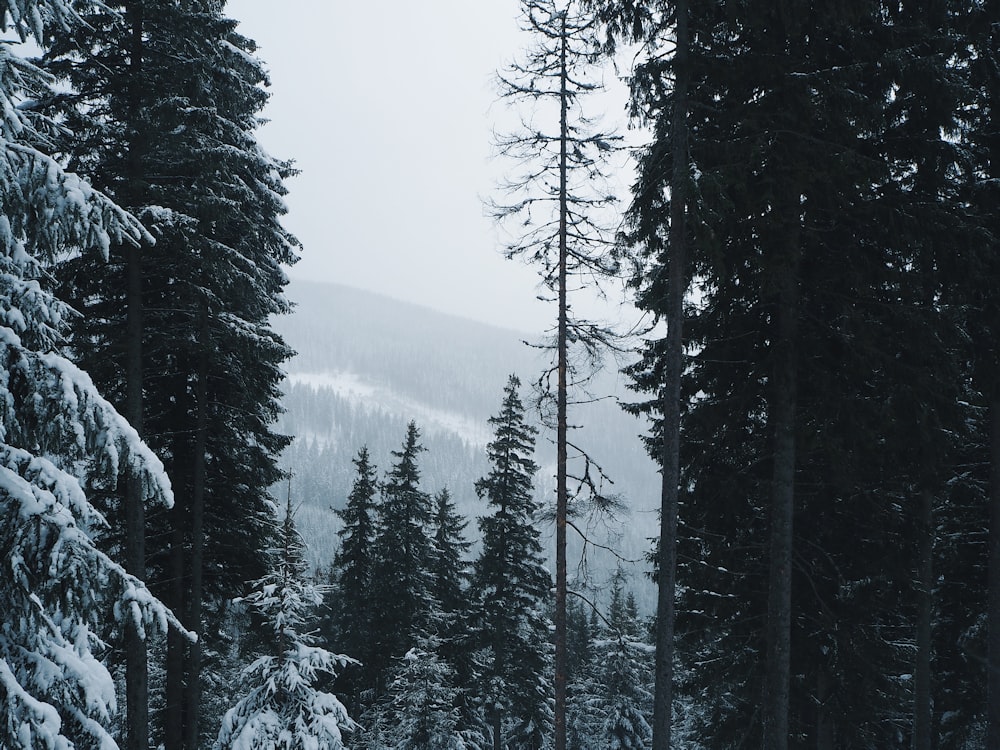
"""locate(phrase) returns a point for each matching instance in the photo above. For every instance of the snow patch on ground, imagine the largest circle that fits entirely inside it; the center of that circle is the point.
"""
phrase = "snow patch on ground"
(354, 388)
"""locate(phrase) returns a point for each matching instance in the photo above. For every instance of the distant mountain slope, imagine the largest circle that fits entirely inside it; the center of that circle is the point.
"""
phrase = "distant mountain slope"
(341, 329)
(367, 364)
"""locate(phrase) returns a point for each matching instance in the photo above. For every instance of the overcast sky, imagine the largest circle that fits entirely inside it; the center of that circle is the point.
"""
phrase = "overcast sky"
(388, 108)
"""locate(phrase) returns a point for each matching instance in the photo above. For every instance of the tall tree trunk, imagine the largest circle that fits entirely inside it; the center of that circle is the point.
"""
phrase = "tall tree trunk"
(562, 495)
(993, 658)
(497, 730)
(173, 710)
(136, 656)
(824, 722)
(922, 709)
(670, 457)
(177, 585)
(500, 662)
(782, 414)
(192, 708)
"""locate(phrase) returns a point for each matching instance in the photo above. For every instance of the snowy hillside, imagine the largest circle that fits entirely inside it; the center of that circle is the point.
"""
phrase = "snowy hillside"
(368, 364)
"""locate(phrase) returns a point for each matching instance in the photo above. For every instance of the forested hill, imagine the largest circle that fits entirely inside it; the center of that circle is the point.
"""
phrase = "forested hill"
(460, 364)
(368, 364)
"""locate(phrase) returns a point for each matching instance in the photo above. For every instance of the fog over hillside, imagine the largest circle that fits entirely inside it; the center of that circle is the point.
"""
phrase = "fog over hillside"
(367, 365)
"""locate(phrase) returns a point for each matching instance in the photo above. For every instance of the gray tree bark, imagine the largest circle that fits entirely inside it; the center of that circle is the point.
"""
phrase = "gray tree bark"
(192, 709)
(562, 495)
(136, 656)
(782, 406)
(670, 456)
(993, 658)
(922, 709)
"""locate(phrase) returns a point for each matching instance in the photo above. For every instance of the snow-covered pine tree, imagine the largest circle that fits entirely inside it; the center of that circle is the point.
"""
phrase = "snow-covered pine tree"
(57, 435)
(510, 587)
(163, 102)
(284, 708)
(421, 705)
(612, 704)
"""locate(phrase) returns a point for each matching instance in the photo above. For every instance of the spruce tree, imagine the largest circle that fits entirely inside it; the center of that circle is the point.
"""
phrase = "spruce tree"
(350, 599)
(813, 296)
(612, 702)
(420, 711)
(510, 586)
(558, 206)
(60, 595)
(161, 110)
(402, 583)
(285, 709)
(448, 567)
(980, 272)
(450, 578)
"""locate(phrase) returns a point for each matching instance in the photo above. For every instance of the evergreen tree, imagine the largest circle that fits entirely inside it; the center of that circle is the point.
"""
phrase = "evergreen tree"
(612, 702)
(448, 568)
(980, 272)
(798, 311)
(510, 586)
(162, 104)
(350, 599)
(421, 705)
(450, 577)
(402, 583)
(556, 204)
(579, 637)
(59, 594)
(284, 709)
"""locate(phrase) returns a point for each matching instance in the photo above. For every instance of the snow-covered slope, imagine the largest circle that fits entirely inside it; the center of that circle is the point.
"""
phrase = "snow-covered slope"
(354, 388)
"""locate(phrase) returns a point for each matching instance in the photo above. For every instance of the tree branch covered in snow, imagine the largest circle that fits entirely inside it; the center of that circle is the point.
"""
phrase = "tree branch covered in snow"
(283, 709)
(57, 435)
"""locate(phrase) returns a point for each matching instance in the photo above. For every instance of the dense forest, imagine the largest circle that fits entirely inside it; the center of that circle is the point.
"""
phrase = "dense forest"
(368, 364)
(810, 237)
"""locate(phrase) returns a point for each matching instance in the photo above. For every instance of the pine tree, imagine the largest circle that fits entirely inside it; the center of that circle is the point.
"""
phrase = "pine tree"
(421, 705)
(450, 578)
(797, 312)
(579, 637)
(351, 598)
(556, 204)
(284, 708)
(59, 594)
(448, 567)
(402, 584)
(510, 586)
(163, 104)
(664, 185)
(612, 702)
(980, 272)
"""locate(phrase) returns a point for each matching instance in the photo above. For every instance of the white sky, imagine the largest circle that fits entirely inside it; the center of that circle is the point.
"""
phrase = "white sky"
(388, 109)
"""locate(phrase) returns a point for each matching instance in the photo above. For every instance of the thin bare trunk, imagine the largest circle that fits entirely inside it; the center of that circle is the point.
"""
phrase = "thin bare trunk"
(497, 730)
(562, 498)
(195, 594)
(993, 666)
(173, 710)
(136, 656)
(782, 416)
(824, 722)
(925, 603)
(176, 590)
(670, 458)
